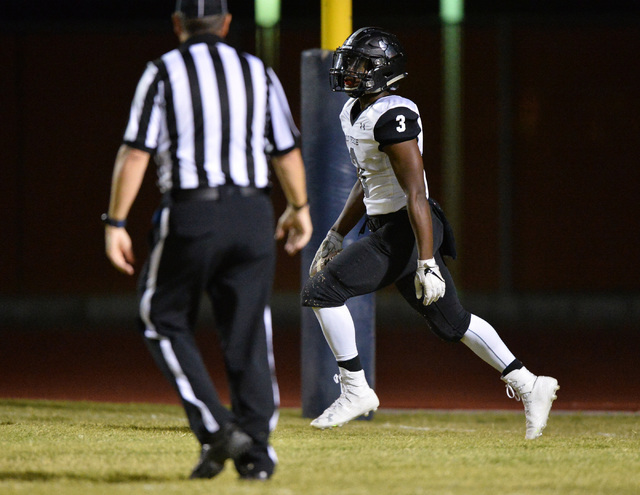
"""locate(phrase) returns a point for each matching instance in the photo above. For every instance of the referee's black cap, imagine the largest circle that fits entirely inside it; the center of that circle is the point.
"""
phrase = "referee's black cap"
(201, 8)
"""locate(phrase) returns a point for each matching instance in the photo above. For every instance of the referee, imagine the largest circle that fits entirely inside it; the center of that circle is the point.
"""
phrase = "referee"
(214, 120)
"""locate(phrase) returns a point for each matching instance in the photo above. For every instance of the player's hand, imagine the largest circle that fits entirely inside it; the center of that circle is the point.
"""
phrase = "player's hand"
(331, 246)
(296, 223)
(119, 249)
(428, 282)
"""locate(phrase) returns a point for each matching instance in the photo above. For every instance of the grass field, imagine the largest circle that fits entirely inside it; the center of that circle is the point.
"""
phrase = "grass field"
(71, 448)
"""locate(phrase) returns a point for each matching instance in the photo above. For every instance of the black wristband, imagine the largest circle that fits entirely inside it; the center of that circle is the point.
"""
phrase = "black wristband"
(107, 220)
(298, 208)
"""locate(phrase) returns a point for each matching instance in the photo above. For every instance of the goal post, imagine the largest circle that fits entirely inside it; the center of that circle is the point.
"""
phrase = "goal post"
(330, 177)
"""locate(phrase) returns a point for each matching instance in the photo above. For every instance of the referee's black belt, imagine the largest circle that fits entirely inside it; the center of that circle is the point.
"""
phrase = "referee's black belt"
(215, 193)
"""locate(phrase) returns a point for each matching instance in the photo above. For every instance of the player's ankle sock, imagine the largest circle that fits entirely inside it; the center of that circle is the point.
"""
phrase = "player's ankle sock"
(352, 364)
(515, 365)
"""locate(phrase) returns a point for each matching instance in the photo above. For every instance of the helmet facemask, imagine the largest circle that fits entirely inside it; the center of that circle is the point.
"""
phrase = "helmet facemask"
(351, 73)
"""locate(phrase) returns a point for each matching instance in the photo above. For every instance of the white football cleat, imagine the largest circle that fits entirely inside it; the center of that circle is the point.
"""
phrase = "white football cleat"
(356, 399)
(537, 394)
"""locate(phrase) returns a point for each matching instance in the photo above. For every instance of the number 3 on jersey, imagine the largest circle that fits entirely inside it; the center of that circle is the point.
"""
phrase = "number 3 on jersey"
(400, 119)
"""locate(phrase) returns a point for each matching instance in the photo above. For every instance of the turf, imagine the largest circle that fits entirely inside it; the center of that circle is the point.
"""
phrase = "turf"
(71, 448)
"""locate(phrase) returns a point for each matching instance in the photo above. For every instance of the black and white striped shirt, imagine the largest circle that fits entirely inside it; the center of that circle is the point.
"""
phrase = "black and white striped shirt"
(211, 115)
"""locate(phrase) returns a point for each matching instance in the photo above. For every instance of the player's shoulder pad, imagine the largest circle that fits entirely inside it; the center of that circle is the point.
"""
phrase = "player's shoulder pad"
(398, 121)
(386, 103)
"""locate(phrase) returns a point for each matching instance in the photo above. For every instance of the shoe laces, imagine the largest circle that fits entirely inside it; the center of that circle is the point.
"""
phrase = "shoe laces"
(341, 401)
(514, 393)
(337, 378)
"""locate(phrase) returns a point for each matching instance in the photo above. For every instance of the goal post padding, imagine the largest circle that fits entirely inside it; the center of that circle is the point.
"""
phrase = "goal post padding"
(330, 177)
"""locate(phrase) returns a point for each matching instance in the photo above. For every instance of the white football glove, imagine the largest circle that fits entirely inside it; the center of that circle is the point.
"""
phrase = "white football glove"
(331, 246)
(428, 281)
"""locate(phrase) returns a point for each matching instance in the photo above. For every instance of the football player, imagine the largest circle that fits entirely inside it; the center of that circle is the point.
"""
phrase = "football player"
(409, 236)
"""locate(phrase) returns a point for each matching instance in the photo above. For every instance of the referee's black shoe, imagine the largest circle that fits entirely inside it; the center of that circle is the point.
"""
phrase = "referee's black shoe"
(230, 442)
(255, 476)
(255, 465)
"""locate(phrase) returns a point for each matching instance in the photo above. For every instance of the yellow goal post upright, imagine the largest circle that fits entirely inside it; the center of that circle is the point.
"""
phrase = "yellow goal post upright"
(330, 177)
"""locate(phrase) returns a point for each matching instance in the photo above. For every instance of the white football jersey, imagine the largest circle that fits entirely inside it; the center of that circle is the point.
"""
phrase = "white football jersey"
(390, 119)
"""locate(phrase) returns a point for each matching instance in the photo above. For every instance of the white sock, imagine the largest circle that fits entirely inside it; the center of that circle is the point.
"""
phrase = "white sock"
(339, 330)
(483, 340)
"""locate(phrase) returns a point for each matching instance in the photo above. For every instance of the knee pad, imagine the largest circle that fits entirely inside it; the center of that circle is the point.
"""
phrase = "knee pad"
(323, 290)
(449, 330)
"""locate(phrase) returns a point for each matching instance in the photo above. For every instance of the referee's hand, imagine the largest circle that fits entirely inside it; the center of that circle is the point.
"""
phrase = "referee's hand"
(296, 223)
(119, 249)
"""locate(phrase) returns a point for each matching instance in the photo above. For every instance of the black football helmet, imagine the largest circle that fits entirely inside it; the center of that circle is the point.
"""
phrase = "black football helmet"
(369, 61)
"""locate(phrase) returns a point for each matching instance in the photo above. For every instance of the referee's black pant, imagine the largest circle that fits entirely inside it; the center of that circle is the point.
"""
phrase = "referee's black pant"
(223, 248)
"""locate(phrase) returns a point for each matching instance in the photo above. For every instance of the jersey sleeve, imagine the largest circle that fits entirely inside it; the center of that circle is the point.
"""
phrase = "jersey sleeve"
(396, 125)
(143, 127)
(283, 135)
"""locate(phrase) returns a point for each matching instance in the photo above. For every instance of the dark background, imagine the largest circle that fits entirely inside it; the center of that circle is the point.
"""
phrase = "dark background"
(296, 9)
(69, 73)
(568, 92)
